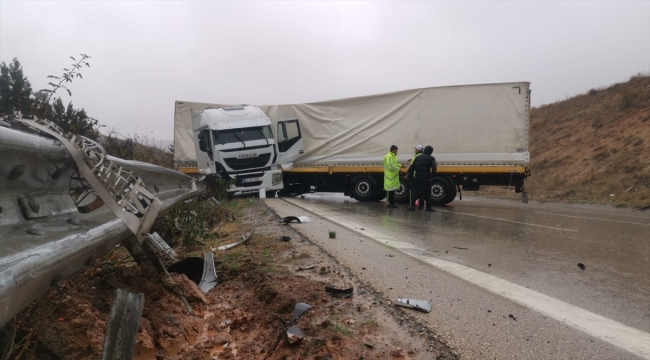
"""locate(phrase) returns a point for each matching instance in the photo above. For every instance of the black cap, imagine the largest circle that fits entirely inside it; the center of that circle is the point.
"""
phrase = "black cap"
(393, 147)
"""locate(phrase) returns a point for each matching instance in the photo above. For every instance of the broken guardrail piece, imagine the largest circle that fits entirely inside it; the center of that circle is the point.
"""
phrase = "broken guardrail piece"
(161, 247)
(292, 333)
(298, 219)
(246, 237)
(122, 326)
(420, 305)
(200, 271)
(339, 293)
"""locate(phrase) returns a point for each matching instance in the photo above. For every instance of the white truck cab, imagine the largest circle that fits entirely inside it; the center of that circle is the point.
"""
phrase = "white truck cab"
(237, 143)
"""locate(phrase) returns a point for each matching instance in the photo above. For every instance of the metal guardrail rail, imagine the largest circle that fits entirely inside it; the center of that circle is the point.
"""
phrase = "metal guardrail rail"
(52, 222)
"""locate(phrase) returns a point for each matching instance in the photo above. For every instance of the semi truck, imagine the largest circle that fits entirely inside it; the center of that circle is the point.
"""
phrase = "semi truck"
(480, 135)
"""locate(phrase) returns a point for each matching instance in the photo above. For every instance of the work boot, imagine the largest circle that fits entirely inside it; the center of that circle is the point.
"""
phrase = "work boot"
(411, 208)
(430, 210)
(392, 206)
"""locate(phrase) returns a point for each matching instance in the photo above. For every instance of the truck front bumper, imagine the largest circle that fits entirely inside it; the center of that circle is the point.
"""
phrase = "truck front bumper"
(250, 183)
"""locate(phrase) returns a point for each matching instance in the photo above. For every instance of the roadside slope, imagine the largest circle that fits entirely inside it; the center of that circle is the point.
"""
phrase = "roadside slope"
(588, 147)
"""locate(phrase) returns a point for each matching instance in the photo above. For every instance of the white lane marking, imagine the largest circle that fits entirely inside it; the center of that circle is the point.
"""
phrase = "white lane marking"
(506, 220)
(590, 218)
(622, 336)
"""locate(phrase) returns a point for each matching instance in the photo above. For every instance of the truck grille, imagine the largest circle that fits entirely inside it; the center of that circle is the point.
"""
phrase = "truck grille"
(250, 163)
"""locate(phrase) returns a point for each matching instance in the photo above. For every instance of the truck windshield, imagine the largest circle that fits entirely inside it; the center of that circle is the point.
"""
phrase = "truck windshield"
(221, 137)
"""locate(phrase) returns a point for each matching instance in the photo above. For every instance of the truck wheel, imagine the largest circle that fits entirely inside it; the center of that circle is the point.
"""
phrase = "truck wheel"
(453, 191)
(440, 189)
(402, 194)
(364, 188)
(271, 194)
(381, 195)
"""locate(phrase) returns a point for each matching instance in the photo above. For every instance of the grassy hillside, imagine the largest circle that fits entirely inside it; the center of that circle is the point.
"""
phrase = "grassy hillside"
(592, 148)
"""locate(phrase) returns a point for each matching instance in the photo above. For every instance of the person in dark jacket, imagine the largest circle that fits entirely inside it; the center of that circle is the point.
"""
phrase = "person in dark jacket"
(420, 173)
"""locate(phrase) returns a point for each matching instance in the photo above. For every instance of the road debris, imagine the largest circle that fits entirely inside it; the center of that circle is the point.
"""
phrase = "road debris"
(245, 238)
(332, 234)
(292, 333)
(286, 238)
(209, 276)
(581, 266)
(460, 248)
(420, 305)
(339, 293)
(512, 317)
(300, 268)
(298, 219)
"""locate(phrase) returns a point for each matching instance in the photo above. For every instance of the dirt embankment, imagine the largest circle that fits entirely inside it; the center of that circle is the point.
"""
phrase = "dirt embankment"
(592, 148)
(238, 319)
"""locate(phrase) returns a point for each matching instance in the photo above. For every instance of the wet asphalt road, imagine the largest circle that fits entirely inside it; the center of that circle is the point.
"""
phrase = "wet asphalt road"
(537, 246)
(534, 245)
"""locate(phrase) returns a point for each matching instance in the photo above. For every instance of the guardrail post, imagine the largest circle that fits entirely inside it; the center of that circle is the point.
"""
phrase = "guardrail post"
(122, 326)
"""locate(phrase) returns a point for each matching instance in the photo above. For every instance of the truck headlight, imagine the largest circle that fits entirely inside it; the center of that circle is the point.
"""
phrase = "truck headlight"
(276, 179)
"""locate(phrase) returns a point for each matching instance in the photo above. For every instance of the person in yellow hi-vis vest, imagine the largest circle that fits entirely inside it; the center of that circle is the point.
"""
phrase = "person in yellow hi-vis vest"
(418, 151)
(391, 175)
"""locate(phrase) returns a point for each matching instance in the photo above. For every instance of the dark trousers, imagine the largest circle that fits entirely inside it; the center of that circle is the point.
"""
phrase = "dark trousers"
(421, 191)
(391, 197)
(412, 194)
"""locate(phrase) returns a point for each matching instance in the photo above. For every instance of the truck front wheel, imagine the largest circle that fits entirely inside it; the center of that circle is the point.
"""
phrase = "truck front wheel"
(364, 188)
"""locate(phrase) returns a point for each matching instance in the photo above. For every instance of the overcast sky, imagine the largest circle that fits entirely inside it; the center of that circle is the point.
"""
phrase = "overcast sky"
(146, 55)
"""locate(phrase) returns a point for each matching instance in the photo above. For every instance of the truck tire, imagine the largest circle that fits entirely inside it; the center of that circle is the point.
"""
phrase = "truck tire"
(440, 191)
(271, 194)
(402, 194)
(364, 188)
(453, 191)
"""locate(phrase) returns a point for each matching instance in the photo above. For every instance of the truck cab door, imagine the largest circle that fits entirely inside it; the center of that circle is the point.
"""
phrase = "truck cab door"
(203, 146)
(290, 145)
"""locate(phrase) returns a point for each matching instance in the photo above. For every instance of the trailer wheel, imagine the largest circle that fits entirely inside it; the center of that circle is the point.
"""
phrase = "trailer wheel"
(440, 191)
(402, 194)
(364, 188)
(453, 191)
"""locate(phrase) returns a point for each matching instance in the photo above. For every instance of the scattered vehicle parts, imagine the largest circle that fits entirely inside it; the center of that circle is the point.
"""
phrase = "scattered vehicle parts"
(209, 277)
(300, 268)
(122, 326)
(420, 305)
(292, 333)
(339, 293)
(298, 219)
(246, 237)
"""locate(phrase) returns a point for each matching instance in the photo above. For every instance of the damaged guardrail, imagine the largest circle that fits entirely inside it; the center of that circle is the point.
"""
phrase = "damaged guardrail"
(52, 221)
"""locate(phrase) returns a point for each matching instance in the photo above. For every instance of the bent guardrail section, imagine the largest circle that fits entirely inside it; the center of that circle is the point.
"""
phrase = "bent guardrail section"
(45, 235)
